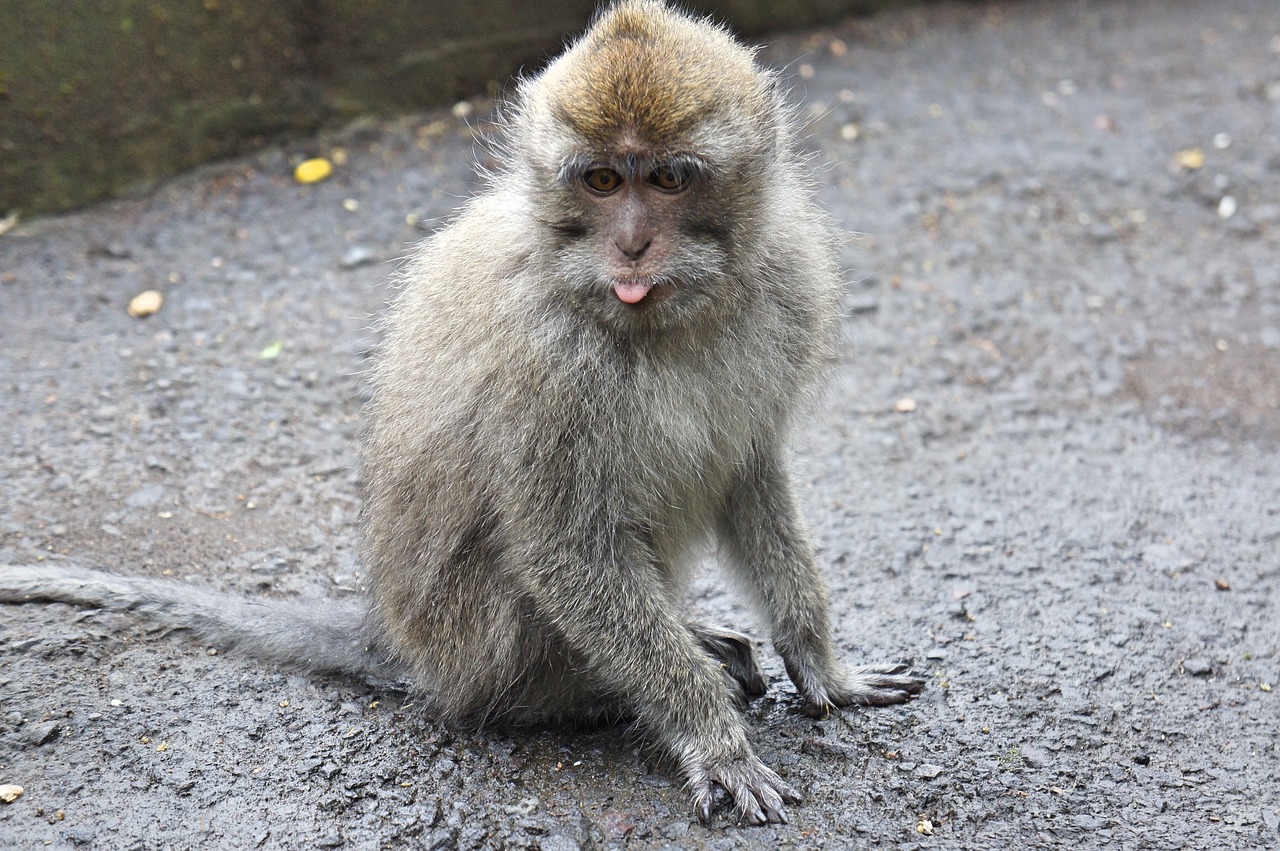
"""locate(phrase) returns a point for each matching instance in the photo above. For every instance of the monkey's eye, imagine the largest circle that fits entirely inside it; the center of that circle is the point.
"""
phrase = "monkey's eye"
(602, 181)
(669, 179)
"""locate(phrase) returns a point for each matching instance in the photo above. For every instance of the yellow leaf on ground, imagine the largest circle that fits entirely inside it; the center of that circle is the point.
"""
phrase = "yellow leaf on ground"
(313, 171)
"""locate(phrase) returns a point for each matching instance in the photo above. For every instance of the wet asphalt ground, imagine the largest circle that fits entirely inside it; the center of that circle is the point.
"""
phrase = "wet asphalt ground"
(1045, 468)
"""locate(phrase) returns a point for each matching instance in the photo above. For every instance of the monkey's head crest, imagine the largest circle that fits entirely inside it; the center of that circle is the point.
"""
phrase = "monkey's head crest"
(646, 71)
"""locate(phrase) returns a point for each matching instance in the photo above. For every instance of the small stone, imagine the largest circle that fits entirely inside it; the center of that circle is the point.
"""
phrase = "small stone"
(1190, 159)
(313, 170)
(356, 256)
(270, 567)
(1034, 757)
(905, 405)
(146, 303)
(928, 771)
(39, 734)
(146, 496)
(80, 835)
(10, 792)
(1198, 666)
(560, 841)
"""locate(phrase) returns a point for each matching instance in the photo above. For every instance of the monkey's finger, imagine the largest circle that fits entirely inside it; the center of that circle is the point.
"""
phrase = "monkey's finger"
(749, 810)
(771, 803)
(896, 675)
(886, 697)
(703, 800)
(789, 794)
(818, 709)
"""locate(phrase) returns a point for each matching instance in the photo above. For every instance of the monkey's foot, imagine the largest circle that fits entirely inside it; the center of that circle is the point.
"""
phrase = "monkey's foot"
(868, 685)
(736, 654)
(758, 793)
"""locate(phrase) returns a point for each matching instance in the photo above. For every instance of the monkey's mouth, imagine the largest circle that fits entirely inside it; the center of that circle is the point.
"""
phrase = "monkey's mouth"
(639, 292)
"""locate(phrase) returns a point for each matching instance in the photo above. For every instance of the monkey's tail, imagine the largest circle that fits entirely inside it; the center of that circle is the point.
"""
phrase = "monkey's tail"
(321, 636)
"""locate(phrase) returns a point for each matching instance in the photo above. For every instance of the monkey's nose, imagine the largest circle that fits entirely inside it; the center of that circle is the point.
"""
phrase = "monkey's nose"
(633, 250)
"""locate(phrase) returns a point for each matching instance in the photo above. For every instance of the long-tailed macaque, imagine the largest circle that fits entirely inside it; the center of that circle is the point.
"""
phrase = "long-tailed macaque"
(586, 380)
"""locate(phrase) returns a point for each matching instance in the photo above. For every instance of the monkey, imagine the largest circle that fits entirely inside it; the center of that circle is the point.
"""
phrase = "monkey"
(586, 381)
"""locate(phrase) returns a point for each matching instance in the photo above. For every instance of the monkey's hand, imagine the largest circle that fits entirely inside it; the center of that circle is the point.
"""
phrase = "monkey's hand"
(758, 793)
(868, 685)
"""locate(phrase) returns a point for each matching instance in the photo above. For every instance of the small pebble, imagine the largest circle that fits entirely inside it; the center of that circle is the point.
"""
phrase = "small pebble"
(1191, 159)
(357, 255)
(313, 170)
(146, 303)
(1198, 666)
(1034, 757)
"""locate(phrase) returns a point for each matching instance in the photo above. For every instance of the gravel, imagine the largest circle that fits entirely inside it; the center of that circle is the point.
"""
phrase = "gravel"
(1073, 528)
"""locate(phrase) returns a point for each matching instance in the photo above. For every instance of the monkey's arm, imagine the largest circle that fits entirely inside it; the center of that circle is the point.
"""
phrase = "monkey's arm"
(613, 609)
(768, 545)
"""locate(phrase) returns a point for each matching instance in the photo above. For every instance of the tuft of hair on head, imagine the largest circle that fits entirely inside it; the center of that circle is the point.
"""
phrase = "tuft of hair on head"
(649, 73)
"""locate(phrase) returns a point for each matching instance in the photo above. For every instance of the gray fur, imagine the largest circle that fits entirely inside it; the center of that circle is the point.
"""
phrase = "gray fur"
(543, 458)
(544, 464)
(324, 636)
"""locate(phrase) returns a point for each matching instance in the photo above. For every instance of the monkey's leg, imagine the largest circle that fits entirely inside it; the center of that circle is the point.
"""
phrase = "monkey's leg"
(604, 595)
(767, 543)
(736, 654)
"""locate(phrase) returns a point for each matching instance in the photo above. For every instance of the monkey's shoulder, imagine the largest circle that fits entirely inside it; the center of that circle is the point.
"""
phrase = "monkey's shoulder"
(466, 263)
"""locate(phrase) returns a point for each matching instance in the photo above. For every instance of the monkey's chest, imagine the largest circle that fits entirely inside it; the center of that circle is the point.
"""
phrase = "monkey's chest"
(682, 451)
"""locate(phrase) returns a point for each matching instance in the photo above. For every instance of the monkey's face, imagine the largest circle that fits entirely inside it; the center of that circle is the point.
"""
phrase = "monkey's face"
(641, 241)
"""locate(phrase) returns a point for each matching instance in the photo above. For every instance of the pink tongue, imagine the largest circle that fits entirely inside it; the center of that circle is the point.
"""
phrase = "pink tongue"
(630, 293)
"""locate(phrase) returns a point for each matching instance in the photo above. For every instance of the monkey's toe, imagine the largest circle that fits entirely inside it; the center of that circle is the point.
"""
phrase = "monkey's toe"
(759, 795)
(737, 656)
(878, 685)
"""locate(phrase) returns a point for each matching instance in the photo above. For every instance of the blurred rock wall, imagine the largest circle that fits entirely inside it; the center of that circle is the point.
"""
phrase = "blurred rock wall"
(100, 96)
